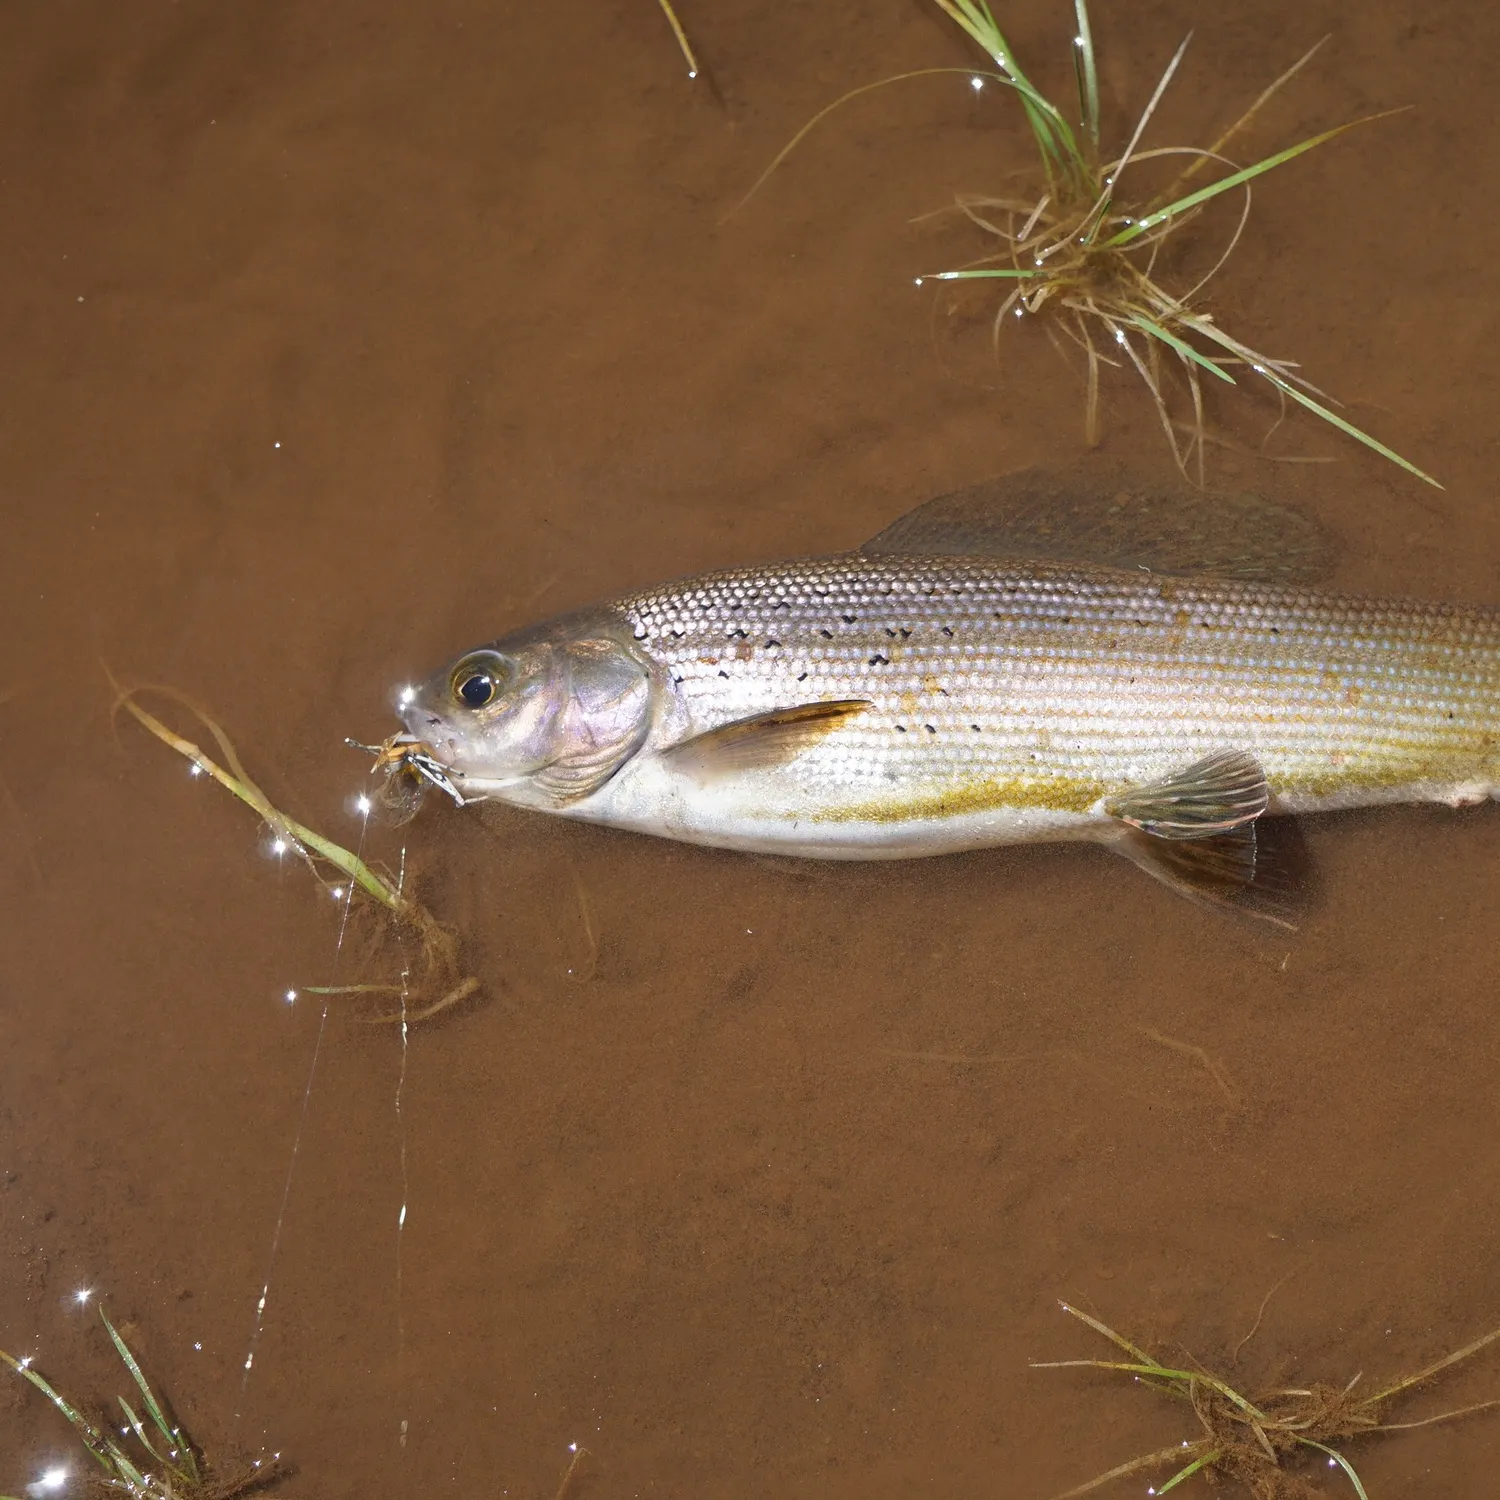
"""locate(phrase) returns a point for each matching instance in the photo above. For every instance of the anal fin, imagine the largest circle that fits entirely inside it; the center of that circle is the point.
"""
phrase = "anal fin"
(1229, 870)
(762, 741)
(1197, 831)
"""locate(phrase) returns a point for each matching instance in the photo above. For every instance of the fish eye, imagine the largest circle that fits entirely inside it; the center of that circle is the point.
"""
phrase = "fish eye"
(478, 679)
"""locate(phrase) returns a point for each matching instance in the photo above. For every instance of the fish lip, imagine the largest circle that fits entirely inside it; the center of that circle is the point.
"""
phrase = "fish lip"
(445, 753)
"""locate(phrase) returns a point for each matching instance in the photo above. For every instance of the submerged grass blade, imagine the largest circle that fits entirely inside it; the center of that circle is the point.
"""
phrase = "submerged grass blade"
(1087, 71)
(1267, 371)
(1180, 346)
(140, 1432)
(302, 837)
(1006, 274)
(172, 1475)
(1214, 152)
(1250, 1444)
(1235, 179)
(439, 974)
(1435, 1368)
(843, 99)
(1336, 1457)
(1155, 1460)
(94, 1440)
(1119, 1340)
(166, 1428)
(179, 1458)
(681, 36)
(1054, 137)
(1203, 1461)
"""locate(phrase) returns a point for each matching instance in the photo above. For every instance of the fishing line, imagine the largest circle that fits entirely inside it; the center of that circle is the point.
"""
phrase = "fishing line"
(401, 1143)
(345, 894)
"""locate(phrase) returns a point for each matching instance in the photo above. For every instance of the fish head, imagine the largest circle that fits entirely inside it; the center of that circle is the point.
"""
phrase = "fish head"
(543, 718)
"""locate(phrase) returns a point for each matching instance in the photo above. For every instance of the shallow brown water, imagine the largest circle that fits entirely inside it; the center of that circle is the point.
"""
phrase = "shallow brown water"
(338, 338)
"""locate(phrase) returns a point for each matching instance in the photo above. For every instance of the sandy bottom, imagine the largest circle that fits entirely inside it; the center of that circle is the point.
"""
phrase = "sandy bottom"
(338, 338)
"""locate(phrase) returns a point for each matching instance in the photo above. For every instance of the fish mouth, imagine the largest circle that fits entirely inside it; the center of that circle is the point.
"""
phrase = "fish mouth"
(406, 754)
(410, 755)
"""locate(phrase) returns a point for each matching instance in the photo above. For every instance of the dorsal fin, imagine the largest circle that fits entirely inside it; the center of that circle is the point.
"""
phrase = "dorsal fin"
(1090, 513)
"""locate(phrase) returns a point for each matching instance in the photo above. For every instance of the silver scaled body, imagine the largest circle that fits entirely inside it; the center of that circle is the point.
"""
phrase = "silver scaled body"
(998, 702)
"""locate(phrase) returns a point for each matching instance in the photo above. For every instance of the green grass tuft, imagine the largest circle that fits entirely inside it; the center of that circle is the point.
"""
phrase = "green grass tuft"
(151, 1457)
(1257, 1441)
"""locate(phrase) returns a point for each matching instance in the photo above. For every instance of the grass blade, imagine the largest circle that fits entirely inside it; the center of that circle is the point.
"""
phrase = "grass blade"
(1116, 1339)
(1442, 1416)
(843, 99)
(138, 1428)
(1088, 75)
(1187, 1472)
(1428, 1371)
(1150, 109)
(681, 36)
(1266, 371)
(1235, 179)
(1213, 153)
(166, 1428)
(1341, 1461)
(299, 835)
(980, 275)
(1131, 1466)
(1180, 347)
(94, 1440)
(1054, 138)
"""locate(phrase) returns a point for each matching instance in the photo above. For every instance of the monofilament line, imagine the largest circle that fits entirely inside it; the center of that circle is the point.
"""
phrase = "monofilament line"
(346, 898)
(401, 1143)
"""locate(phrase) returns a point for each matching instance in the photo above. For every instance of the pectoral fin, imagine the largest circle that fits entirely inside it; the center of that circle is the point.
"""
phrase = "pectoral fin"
(1221, 792)
(762, 741)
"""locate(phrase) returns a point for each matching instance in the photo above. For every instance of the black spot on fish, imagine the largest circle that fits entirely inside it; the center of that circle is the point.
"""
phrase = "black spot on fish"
(905, 633)
(677, 635)
(901, 729)
(880, 661)
(739, 635)
(802, 677)
(975, 728)
(826, 634)
(948, 631)
(676, 679)
(848, 619)
(772, 645)
(930, 728)
(723, 673)
(641, 634)
(890, 632)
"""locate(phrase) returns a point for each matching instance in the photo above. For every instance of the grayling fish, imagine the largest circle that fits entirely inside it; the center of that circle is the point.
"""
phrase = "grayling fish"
(1029, 660)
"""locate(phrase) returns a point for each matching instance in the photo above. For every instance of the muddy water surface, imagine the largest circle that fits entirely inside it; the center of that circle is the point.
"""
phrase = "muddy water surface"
(338, 338)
